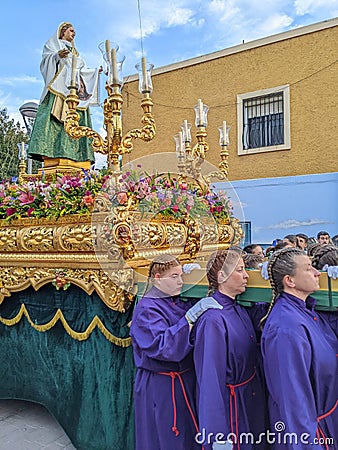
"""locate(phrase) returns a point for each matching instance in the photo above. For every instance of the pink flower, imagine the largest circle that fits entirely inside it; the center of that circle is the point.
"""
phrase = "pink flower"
(26, 198)
(175, 208)
(10, 211)
(122, 198)
(88, 200)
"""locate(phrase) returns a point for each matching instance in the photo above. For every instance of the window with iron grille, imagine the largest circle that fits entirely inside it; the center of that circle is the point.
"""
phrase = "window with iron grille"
(263, 118)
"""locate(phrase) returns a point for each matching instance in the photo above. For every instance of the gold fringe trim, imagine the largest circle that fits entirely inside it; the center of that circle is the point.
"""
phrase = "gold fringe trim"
(96, 322)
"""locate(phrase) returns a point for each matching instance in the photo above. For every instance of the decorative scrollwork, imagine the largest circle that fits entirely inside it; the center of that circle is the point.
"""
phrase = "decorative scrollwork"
(8, 239)
(75, 238)
(34, 238)
(146, 133)
(193, 241)
(74, 130)
(115, 290)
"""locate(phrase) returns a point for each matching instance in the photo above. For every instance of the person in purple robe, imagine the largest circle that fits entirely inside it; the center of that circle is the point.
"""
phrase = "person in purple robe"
(231, 397)
(164, 389)
(299, 350)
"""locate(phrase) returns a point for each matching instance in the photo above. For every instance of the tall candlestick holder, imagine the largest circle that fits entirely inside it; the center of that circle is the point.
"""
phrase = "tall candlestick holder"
(191, 159)
(22, 155)
(115, 144)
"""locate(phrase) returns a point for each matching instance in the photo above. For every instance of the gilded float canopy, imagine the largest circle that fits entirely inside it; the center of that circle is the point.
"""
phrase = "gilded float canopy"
(96, 231)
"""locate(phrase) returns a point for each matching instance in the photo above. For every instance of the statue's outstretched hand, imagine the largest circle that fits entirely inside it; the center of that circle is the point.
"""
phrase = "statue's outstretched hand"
(63, 53)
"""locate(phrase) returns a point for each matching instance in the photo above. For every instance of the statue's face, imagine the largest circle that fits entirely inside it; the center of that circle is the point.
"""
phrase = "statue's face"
(68, 34)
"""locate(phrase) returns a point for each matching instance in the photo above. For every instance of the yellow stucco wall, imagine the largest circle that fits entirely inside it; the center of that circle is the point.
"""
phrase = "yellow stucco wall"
(307, 62)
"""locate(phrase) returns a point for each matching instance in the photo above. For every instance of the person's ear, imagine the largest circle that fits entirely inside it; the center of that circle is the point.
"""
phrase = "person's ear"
(157, 276)
(221, 277)
(288, 281)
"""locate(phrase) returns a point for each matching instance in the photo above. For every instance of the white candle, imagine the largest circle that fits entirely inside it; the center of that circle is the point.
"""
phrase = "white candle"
(186, 131)
(200, 109)
(114, 66)
(107, 45)
(224, 132)
(23, 155)
(74, 59)
(181, 141)
(144, 73)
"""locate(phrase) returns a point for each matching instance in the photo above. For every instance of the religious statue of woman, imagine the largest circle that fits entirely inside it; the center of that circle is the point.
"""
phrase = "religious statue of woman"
(49, 141)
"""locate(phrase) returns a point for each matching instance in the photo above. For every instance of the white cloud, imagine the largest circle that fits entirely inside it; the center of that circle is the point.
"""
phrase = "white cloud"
(303, 7)
(292, 223)
(179, 16)
(225, 10)
(275, 23)
(15, 80)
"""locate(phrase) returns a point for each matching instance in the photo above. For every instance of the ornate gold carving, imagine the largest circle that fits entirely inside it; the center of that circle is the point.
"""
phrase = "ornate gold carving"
(8, 239)
(146, 133)
(115, 288)
(75, 238)
(49, 238)
(101, 253)
(75, 131)
(35, 239)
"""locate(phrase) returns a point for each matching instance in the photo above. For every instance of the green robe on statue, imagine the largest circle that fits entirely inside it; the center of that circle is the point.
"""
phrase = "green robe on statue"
(49, 138)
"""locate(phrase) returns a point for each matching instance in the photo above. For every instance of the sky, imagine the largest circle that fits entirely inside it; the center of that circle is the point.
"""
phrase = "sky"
(170, 31)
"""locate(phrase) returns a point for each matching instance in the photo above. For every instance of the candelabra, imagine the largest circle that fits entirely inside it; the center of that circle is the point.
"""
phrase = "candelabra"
(114, 145)
(190, 159)
(22, 161)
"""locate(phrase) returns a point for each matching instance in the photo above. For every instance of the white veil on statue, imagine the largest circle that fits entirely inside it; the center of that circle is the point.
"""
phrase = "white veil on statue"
(56, 72)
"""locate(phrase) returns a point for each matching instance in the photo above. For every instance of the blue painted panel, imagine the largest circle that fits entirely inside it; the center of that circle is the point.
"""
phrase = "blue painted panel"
(286, 205)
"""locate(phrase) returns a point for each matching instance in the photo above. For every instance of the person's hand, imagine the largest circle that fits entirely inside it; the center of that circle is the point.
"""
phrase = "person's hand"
(200, 307)
(188, 268)
(264, 270)
(332, 271)
(63, 53)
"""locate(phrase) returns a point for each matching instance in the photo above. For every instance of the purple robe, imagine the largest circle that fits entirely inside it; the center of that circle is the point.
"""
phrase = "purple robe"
(161, 343)
(226, 353)
(300, 361)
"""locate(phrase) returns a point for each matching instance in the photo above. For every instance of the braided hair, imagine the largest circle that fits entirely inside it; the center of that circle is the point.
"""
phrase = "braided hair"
(325, 254)
(251, 261)
(225, 260)
(160, 264)
(312, 249)
(281, 263)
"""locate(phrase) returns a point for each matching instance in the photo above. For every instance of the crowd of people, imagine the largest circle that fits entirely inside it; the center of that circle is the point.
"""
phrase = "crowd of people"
(216, 375)
(321, 245)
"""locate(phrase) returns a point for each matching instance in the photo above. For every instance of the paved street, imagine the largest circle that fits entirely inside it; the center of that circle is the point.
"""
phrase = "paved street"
(28, 426)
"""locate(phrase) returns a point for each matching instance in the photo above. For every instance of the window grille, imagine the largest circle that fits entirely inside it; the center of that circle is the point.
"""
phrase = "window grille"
(263, 121)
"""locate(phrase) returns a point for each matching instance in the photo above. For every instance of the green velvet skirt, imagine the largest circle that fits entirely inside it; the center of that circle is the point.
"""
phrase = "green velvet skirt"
(49, 138)
(87, 384)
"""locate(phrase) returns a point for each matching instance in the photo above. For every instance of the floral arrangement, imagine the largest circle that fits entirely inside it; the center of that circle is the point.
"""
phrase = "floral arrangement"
(38, 198)
(60, 281)
(168, 197)
(161, 195)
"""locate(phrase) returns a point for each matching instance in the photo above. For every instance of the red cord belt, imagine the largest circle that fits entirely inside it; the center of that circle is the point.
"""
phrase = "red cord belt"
(173, 375)
(319, 431)
(233, 406)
